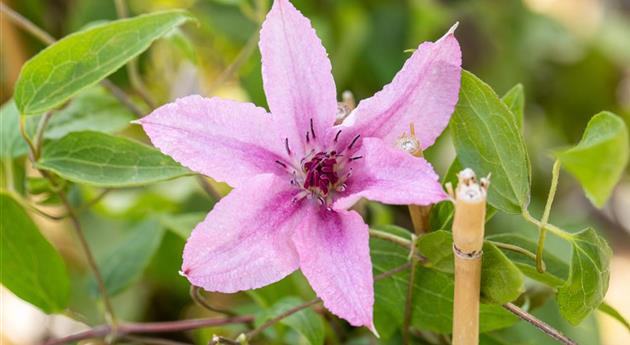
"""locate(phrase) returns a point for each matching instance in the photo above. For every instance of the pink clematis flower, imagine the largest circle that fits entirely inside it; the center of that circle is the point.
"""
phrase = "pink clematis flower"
(295, 173)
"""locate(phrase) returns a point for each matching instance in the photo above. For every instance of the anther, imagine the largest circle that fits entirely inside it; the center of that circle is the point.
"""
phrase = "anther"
(281, 164)
(312, 129)
(286, 145)
(354, 141)
(355, 158)
(337, 135)
(307, 137)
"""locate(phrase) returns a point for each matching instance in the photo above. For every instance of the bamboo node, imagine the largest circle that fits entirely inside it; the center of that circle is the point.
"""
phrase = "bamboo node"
(475, 254)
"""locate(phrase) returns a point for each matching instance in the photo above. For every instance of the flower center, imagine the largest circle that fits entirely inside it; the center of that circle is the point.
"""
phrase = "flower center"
(321, 173)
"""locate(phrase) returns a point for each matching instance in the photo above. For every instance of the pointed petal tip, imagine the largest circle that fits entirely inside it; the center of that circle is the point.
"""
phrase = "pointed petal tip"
(450, 32)
(372, 329)
(453, 28)
(136, 122)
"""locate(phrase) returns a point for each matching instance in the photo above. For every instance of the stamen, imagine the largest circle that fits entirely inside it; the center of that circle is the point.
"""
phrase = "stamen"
(337, 135)
(307, 138)
(281, 164)
(355, 158)
(354, 141)
(312, 129)
(286, 145)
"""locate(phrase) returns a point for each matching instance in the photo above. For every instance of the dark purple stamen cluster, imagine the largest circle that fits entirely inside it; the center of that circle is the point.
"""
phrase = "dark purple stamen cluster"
(320, 172)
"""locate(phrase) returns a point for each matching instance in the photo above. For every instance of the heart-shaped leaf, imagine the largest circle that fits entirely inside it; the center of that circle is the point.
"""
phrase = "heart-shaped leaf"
(599, 159)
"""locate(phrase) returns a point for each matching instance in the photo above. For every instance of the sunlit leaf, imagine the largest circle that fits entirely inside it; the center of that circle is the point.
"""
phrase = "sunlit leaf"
(600, 158)
(87, 57)
(103, 160)
(31, 268)
(124, 263)
(488, 140)
(588, 279)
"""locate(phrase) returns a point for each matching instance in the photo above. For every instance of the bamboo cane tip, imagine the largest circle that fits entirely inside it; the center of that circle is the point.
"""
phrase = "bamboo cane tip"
(469, 189)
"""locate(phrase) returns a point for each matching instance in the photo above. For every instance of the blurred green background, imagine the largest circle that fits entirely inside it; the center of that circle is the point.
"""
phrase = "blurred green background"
(572, 56)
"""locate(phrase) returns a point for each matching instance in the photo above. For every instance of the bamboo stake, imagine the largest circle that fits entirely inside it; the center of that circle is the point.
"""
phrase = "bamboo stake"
(468, 229)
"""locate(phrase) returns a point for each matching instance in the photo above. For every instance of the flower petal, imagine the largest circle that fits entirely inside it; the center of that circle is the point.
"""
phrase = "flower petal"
(335, 258)
(297, 75)
(245, 241)
(227, 140)
(391, 176)
(424, 92)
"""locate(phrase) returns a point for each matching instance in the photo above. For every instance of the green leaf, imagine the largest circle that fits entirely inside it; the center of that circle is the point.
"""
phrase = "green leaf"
(433, 294)
(612, 312)
(588, 279)
(87, 57)
(11, 143)
(556, 272)
(182, 224)
(107, 161)
(515, 101)
(93, 109)
(501, 280)
(437, 247)
(124, 263)
(600, 158)
(306, 322)
(31, 268)
(487, 139)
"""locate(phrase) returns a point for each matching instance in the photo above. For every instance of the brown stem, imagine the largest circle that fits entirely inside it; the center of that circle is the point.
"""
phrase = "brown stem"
(296, 309)
(541, 325)
(122, 97)
(207, 187)
(195, 294)
(39, 134)
(109, 310)
(152, 327)
(47, 39)
(276, 319)
(185, 325)
(26, 24)
(29, 142)
(151, 340)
